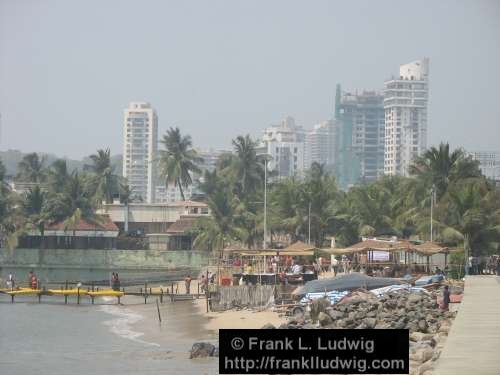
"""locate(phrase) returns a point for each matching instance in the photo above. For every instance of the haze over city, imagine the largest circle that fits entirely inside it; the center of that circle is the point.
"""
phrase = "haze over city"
(219, 69)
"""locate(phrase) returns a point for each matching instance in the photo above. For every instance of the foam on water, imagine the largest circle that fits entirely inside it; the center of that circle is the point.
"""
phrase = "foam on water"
(121, 325)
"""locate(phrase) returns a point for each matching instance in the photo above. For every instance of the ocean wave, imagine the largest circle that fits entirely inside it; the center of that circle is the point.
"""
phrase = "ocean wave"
(121, 325)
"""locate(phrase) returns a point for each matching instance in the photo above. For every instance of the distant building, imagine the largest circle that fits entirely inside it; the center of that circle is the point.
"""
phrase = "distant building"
(359, 137)
(166, 226)
(140, 137)
(172, 193)
(405, 103)
(285, 143)
(320, 144)
(86, 234)
(489, 163)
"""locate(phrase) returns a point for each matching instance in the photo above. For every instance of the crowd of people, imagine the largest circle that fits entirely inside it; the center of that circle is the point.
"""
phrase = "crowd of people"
(484, 265)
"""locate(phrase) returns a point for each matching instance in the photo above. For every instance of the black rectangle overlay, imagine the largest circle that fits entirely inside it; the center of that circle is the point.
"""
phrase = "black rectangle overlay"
(314, 351)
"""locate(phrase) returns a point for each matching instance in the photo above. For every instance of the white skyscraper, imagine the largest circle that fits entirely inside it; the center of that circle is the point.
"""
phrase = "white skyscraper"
(489, 163)
(140, 136)
(318, 145)
(405, 104)
(285, 143)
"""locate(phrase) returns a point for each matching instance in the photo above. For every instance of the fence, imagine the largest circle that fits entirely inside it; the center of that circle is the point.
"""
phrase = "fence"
(228, 297)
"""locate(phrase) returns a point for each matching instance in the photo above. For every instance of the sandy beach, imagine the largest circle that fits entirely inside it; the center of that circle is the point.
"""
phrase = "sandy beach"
(237, 319)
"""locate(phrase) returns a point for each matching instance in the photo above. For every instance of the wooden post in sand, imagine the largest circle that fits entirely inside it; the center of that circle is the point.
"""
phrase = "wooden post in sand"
(158, 309)
(206, 289)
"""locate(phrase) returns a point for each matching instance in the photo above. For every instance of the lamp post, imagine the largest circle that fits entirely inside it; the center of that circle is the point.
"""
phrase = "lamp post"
(433, 197)
(265, 203)
(309, 225)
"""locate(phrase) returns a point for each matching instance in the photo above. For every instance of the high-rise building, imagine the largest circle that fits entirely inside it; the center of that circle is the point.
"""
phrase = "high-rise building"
(140, 137)
(489, 163)
(360, 137)
(318, 145)
(285, 143)
(405, 103)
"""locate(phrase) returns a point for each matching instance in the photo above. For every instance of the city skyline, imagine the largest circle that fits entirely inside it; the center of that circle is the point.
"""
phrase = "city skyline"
(219, 76)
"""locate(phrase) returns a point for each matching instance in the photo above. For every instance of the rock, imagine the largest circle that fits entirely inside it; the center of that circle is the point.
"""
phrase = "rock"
(422, 354)
(422, 325)
(423, 368)
(370, 322)
(341, 323)
(317, 306)
(202, 350)
(335, 315)
(419, 336)
(268, 326)
(444, 328)
(324, 319)
(415, 297)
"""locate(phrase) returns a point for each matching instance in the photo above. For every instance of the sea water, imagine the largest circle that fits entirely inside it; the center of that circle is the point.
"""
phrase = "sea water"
(54, 338)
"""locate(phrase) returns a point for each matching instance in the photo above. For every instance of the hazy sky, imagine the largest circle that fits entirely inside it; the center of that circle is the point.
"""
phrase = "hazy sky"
(218, 69)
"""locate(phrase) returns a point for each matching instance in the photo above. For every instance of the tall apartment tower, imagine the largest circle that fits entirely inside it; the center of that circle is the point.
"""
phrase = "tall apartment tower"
(140, 137)
(405, 104)
(317, 147)
(360, 137)
(285, 143)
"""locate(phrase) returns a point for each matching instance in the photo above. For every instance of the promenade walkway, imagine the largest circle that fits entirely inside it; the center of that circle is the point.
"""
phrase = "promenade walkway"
(473, 344)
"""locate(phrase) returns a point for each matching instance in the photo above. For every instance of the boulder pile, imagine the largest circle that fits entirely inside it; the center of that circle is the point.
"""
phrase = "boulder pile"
(418, 312)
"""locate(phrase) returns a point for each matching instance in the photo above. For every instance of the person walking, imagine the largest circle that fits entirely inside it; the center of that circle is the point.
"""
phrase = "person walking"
(11, 284)
(446, 298)
(187, 282)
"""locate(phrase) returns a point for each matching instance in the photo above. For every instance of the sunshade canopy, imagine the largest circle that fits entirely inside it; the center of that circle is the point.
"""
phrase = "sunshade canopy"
(350, 281)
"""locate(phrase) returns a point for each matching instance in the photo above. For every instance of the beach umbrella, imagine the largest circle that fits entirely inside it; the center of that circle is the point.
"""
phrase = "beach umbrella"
(350, 281)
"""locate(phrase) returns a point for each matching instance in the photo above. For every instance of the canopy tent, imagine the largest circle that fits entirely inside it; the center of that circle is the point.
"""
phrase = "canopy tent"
(349, 281)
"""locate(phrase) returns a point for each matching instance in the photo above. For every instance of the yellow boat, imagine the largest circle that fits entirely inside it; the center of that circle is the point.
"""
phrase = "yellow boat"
(106, 293)
(67, 292)
(24, 291)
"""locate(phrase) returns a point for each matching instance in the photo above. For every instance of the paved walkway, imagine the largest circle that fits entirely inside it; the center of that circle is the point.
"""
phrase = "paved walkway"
(473, 344)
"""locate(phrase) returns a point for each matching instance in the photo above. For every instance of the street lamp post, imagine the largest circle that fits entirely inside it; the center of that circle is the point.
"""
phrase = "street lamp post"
(309, 224)
(265, 203)
(433, 195)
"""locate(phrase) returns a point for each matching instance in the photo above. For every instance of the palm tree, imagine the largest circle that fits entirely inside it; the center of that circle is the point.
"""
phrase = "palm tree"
(247, 166)
(103, 180)
(472, 216)
(439, 167)
(31, 169)
(57, 176)
(33, 209)
(178, 160)
(220, 229)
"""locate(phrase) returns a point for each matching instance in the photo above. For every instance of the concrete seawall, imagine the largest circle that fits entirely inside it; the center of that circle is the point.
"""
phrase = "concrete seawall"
(55, 265)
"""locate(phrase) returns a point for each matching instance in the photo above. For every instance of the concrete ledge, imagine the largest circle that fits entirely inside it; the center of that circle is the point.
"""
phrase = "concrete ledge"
(473, 344)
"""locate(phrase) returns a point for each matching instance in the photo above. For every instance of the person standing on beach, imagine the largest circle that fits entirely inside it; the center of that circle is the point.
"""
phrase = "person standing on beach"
(446, 298)
(187, 281)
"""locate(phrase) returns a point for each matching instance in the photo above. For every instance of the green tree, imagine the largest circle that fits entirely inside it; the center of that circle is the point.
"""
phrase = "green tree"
(178, 160)
(248, 168)
(218, 230)
(440, 167)
(472, 217)
(33, 210)
(102, 179)
(31, 168)
(57, 176)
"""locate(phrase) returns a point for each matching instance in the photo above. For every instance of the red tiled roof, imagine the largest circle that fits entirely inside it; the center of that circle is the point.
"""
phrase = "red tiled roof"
(102, 223)
(182, 225)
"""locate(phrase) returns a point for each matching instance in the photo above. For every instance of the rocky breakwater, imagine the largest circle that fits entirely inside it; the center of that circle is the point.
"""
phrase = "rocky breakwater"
(417, 312)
